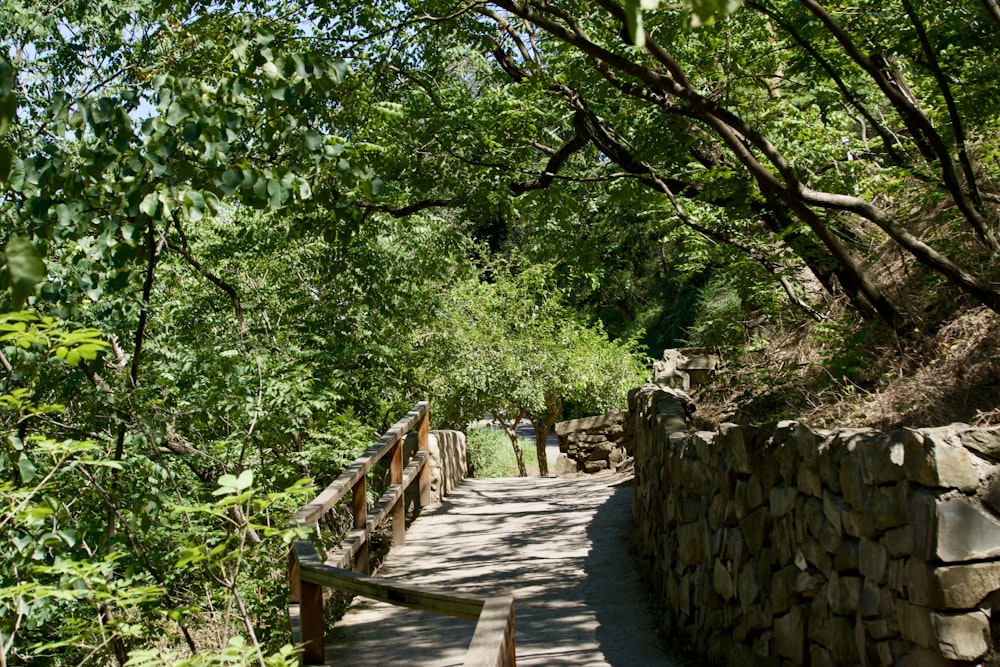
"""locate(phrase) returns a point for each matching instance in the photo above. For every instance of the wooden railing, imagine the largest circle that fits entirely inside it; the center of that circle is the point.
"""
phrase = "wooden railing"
(493, 641)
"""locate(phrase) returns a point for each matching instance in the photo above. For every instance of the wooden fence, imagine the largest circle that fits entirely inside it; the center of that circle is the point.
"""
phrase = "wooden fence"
(493, 641)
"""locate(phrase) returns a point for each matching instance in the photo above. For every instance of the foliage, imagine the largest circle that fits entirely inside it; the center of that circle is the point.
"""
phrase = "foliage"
(491, 456)
(510, 347)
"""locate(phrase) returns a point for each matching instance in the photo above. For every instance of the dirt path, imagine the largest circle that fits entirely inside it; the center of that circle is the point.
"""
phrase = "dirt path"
(558, 545)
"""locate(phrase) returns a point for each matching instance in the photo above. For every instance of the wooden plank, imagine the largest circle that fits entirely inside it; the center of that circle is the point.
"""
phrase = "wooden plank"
(394, 592)
(348, 549)
(359, 510)
(338, 489)
(493, 642)
(393, 494)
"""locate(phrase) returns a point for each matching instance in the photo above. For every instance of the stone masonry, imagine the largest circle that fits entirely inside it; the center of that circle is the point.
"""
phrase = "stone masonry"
(592, 444)
(449, 460)
(786, 545)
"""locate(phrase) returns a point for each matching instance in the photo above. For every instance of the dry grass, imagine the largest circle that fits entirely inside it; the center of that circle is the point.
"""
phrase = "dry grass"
(850, 374)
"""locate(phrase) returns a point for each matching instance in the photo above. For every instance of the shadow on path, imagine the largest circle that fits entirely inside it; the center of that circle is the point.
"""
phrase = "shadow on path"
(558, 545)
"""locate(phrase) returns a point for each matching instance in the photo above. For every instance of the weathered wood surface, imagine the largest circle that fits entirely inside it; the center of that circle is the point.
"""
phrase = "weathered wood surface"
(558, 546)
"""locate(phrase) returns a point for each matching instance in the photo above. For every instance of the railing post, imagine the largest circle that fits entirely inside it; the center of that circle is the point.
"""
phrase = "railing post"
(359, 508)
(311, 622)
(399, 508)
(309, 597)
(423, 434)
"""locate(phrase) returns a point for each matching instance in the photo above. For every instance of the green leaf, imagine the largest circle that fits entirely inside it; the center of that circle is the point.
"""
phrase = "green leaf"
(314, 140)
(194, 205)
(27, 468)
(149, 204)
(244, 481)
(25, 268)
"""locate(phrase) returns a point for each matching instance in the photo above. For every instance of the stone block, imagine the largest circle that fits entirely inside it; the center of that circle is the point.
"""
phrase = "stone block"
(693, 543)
(783, 539)
(843, 641)
(847, 556)
(852, 484)
(962, 586)
(828, 537)
(820, 657)
(722, 581)
(858, 524)
(833, 509)
(755, 529)
(880, 628)
(809, 583)
(963, 636)
(809, 481)
(817, 555)
(755, 492)
(876, 601)
(565, 466)
(915, 623)
(920, 657)
(783, 500)
(830, 453)
(783, 589)
(935, 457)
(881, 457)
(601, 451)
(789, 634)
(590, 467)
(747, 585)
(965, 532)
(984, 441)
(888, 506)
(613, 418)
(786, 449)
(896, 579)
(844, 594)
(899, 541)
(873, 560)
(733, 440)
(721, 512)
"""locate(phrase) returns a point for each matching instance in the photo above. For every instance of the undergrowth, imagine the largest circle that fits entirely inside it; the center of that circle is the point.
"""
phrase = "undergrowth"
(491, 454)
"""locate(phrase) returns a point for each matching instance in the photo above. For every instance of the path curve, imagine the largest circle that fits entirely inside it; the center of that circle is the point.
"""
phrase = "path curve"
(559, 545)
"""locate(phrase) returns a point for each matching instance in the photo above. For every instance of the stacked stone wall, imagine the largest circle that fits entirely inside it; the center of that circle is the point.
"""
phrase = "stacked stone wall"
(786, 545)
(449, 460)
(593, 444)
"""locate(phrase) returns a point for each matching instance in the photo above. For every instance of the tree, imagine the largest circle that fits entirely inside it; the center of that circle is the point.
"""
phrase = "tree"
(766, 116)
(507, 345)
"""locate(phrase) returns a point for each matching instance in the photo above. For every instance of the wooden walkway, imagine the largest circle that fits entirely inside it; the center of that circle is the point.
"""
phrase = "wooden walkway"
(558, 545)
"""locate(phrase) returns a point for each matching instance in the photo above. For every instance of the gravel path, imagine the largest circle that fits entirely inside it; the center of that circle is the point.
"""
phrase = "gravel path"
(558, 545)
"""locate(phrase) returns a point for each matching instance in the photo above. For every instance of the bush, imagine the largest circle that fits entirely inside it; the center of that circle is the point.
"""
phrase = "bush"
(491, 456)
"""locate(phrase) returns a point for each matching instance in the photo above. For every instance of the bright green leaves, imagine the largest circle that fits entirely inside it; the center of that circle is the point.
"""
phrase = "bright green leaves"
(633, 17)
(27, 330)
(703, 12)
(233, 485)
(25, 269)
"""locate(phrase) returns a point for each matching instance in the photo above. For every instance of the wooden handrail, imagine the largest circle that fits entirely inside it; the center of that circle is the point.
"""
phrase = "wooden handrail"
(493, 642)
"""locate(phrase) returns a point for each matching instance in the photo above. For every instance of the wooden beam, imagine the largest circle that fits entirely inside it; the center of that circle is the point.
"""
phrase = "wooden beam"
(394, 592)
(493, 642)
(359, 510)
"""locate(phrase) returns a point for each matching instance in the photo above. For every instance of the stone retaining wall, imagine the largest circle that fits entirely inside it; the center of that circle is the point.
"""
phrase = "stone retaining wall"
(786, 545)
(449, 460)
(593, 444)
